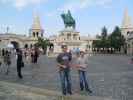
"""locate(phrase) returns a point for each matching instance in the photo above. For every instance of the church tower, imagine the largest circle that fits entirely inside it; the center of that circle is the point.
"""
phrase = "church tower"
(36, 29)
(127, 26)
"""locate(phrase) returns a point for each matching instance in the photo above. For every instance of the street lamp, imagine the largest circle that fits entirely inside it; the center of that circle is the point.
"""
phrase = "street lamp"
(7, 29)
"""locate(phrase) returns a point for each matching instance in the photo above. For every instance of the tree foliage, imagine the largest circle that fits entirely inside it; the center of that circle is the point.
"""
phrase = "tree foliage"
(104, 33)
(43, 43)
(115, 40)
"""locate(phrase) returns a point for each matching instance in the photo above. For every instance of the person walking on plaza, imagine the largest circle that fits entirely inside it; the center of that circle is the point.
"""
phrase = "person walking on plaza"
(0, 63)
(7, 61)
(3, 52)
(20, 63)
(64, 61)
(32, 56)
(27, 56)
(82, 65)
(36, 55)
(132, 60)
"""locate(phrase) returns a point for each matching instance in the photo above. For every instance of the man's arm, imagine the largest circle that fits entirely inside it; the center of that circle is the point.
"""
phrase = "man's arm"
(61, 66)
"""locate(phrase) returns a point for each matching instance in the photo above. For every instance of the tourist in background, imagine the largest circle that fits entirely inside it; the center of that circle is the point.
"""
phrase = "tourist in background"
(132, 60)
(0, 63)
(36, 55)
(20, 63)
(32, 55)
(7, 61)
(27, 56)
(81, 66)
(3, 52)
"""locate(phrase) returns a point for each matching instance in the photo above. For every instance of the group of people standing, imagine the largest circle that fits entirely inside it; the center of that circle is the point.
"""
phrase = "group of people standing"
(31, 55)
(65, 64)
(6, 55)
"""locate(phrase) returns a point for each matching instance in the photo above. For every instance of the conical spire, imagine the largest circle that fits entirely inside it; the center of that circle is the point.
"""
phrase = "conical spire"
(36, 30)
(127, 22)
(36, 22)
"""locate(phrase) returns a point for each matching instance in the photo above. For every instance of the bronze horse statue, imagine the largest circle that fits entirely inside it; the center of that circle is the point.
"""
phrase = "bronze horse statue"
(68, 20)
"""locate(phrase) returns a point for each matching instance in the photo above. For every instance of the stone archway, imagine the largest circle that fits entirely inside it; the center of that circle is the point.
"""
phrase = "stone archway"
(15, 44)
(51, 45)
(26, 46)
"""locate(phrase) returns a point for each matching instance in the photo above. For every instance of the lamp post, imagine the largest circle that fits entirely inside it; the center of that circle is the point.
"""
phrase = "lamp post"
(7, 29)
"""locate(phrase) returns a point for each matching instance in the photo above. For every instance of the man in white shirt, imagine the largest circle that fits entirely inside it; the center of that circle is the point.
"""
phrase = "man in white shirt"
(82, 65)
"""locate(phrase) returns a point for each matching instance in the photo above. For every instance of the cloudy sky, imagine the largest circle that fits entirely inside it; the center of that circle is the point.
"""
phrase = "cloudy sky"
(90, 15)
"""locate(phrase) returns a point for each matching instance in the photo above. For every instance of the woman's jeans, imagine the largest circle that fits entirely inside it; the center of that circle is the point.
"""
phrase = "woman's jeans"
(83, 81)
(65, 81)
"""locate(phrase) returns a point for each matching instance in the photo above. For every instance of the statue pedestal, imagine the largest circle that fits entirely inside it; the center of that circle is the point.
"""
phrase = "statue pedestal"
(71, 37)
(70, 34)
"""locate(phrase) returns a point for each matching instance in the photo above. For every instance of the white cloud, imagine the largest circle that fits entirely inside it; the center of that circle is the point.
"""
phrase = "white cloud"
(104, 2)
(77, 5)
(19, 4)
(82, 4)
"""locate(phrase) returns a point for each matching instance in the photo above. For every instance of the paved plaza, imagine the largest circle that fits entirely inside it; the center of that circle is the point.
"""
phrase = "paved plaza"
(109, 76)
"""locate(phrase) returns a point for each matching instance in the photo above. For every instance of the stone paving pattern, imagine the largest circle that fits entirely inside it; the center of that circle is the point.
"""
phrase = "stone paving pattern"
(109, 76)
(12, 91)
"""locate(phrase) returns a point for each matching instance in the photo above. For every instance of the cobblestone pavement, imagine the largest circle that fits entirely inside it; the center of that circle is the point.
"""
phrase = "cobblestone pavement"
(12, 91)
(109, 76)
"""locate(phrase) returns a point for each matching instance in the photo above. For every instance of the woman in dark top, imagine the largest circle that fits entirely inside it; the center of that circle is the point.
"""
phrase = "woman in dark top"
(19, 63)
(36, 55)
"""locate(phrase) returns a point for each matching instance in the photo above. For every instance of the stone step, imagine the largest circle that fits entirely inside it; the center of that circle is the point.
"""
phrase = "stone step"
(12, 91)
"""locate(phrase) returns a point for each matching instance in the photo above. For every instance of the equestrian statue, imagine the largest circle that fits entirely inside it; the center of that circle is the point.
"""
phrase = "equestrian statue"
(68, 20)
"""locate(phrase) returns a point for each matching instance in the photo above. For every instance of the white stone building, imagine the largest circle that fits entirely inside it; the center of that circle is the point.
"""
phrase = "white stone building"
(22, 40)
(73, 39)
(69, 36)
(127, 31)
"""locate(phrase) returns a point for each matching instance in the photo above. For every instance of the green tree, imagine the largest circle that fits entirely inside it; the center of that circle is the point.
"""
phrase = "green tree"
(116, 39)
(103, 41)
(43, 44)
(104, 37)
(104, 33)
(98, 36)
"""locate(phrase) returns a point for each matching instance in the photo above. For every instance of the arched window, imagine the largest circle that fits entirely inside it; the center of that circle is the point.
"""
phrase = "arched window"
(33, 34)
(37, 34)
(15, 44)
(31, 45)
(128, 33)
(26, 46)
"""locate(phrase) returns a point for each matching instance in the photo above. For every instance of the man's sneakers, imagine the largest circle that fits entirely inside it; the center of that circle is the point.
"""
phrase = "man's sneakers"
(89, 91)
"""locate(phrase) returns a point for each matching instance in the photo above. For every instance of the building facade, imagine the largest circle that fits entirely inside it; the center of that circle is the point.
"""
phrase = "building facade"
(69, 36)
(73, 39)
(127, 31)
(21, 40)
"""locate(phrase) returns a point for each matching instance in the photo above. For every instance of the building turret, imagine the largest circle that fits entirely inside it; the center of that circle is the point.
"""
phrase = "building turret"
(36, 29)
(127, 26)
